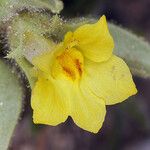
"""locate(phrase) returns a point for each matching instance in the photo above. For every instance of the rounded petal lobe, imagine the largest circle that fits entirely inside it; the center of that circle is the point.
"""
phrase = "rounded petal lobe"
(110, 80)
(95, 41)
(48, 103)
(88, 111)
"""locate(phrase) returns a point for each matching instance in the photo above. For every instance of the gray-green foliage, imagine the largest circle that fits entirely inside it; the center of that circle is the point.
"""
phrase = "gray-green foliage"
(34, 27)
(10, 8)
(12, 19)
(11, 96)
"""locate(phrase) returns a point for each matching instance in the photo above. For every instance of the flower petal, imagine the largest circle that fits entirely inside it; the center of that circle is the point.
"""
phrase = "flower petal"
(110, 80)
(88, 111)
(68, 63)
(48, 103)
(95, 41)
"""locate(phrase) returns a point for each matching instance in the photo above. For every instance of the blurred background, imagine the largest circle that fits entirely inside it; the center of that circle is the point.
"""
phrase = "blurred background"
(127, 125)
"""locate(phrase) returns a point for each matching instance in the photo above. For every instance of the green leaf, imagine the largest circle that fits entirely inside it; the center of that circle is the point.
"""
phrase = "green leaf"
(11, 96)
(26, 67)
(26, 37)
(10, 8)
(54, 5)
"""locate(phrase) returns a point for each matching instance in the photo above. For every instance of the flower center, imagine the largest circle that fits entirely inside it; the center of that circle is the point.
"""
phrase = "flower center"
(70, 64)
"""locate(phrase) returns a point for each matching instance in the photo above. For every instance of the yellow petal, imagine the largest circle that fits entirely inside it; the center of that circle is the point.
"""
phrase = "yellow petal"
(88, 111)
(43, 62)
(110, 80)
(48, 103)
(69, 40)
(95, 41)
(68, 63)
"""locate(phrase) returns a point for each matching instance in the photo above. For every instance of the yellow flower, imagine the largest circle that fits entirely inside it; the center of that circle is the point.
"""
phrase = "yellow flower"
(79, 77)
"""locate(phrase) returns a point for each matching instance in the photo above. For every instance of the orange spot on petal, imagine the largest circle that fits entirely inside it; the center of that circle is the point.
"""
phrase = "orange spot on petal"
(78, 66)
(69, 72)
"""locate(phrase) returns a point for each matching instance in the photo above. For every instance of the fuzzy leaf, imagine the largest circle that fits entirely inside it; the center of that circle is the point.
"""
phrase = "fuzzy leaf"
(26, 37)
(10, 8)
(11, 96)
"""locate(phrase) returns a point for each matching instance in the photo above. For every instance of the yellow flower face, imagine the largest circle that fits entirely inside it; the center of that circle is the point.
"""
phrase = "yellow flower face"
(69, 63)
(79, 77)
